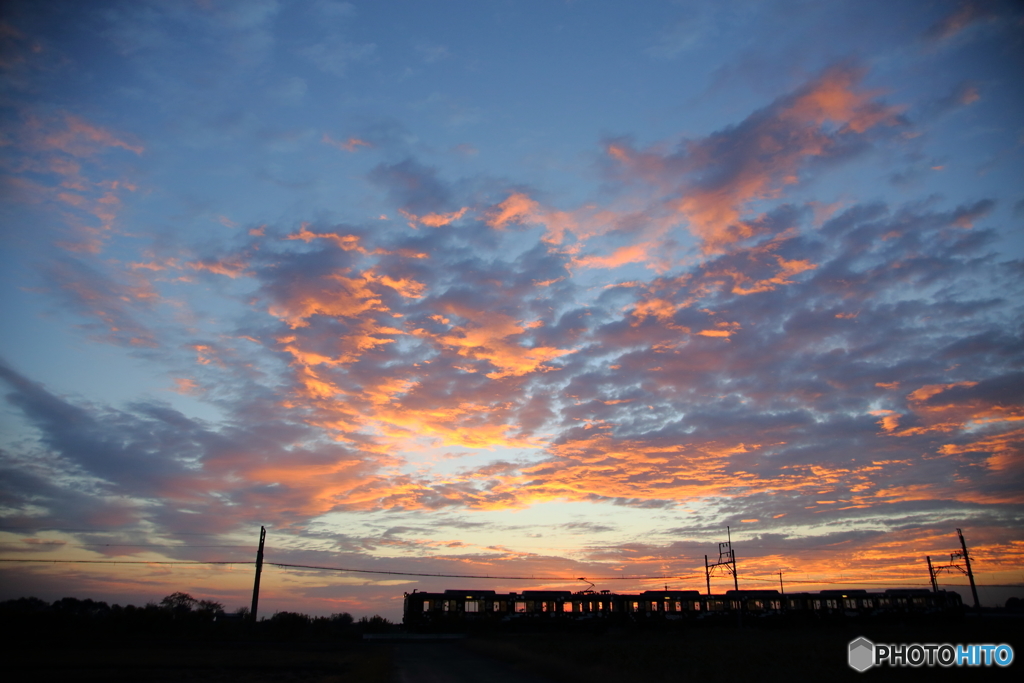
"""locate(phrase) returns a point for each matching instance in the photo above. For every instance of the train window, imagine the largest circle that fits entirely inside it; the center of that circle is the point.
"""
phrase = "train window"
(636, 606)
(776, 604)
(832, 604)
(520, 607)
(497, 606)
(679, 607)
(919, 601)
(867, 602)
(755, 604)
(426, 605)
(544, 607)
(794, 604)
(566, 606)
(734, 604)
(883, 602)
(816, 604)
(850, 603)
(472, 606)
(696, 606)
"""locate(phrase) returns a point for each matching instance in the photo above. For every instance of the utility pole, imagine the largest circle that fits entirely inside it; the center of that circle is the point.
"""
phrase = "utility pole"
(259, 569)
(931, 575)
(781, 589)
(970, 574)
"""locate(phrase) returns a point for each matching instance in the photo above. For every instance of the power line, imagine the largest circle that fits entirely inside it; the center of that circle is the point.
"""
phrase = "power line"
(126, 561)
(853, 582)
(360, 571)
(477, 576)
(130, 545)
(99, 531)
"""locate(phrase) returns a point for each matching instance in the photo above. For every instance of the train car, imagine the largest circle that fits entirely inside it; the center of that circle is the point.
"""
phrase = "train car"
(892, 603)
(663, 605)
(546, 609)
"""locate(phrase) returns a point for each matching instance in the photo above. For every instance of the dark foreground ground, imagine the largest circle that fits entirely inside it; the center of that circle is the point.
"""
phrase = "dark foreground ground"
(695, 654)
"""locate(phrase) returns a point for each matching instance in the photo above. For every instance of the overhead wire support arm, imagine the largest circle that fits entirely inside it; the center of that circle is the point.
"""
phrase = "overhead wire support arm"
(955, 559)
(726, 559)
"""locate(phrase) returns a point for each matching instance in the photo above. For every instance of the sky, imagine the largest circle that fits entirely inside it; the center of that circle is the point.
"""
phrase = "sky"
(509, 288)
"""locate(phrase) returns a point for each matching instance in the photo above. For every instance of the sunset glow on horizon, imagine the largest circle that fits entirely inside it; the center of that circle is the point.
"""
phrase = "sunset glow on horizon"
(514, 289)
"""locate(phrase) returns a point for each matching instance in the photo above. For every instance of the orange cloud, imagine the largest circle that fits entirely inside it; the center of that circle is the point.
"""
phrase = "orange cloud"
(434, 220)
(491, 337)
(890, 419)
(232, 268)
(343, 242)
(634, 253)
(929, 390)
(518, 208)
(350, 145)
(833, 99)
(407, 287)
(186, 386)
(332, 295)
(1006, 450)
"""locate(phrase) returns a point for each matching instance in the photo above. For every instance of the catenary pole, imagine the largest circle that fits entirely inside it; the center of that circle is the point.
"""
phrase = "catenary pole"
(970, 574)
(732, 553)
(931, 575)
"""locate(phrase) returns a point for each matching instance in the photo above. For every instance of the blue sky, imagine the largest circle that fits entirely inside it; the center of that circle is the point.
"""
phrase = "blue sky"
(531, 287)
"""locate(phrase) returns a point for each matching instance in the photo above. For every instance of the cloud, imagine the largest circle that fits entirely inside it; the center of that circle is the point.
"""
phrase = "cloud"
(334, 55)
(710, 183)
(350, 145)
(61, 162)
(114, 308)
(412, 186)
(185, 470)
(967, 13)
(699, 343)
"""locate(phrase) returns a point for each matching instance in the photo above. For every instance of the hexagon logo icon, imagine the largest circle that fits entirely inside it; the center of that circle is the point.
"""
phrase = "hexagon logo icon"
(862, 654)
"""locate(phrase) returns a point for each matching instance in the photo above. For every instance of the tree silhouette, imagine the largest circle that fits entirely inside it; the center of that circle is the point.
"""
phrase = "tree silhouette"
(179, 602)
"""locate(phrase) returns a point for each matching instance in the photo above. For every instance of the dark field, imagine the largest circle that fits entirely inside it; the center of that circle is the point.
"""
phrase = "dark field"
(748, 654)
(695, 654)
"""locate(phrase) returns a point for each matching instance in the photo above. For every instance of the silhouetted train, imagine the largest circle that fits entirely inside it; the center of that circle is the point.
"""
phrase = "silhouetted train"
(458, 609)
